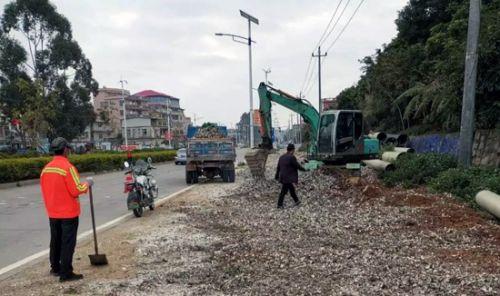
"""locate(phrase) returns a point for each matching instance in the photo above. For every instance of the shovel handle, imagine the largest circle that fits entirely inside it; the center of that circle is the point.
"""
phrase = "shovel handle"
(93, 219)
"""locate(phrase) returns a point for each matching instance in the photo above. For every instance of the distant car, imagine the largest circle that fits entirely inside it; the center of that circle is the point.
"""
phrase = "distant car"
(180, 158)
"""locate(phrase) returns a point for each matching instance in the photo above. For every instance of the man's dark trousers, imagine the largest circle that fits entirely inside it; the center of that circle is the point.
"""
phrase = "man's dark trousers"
(284, 190)
(62, 244)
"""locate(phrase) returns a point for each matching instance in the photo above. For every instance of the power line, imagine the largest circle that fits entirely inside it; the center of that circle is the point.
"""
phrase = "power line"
(336, 23)
(329, 23)
(310, 78)
(345, 27)
(308, 90)
(305, 82)
(307, 74)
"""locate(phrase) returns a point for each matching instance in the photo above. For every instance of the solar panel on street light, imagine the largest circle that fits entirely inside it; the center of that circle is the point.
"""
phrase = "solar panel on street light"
(249, 17)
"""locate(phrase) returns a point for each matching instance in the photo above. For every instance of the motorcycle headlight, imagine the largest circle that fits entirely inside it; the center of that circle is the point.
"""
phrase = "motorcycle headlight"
(153, 182)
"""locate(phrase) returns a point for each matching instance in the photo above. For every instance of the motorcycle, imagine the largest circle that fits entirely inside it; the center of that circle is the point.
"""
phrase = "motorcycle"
(141, 186)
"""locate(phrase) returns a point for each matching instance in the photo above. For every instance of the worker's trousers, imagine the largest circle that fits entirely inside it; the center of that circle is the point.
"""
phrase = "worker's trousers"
(62, 244)
(284, 190)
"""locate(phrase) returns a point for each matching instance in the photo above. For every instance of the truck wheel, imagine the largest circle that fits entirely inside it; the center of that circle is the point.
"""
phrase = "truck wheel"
(231, 176)
(189, 179)
(194, 177)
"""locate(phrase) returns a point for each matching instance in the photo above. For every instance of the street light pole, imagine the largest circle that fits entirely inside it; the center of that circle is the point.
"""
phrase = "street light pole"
(168, 125)
(249, 41)
(250, 79)
(124, 114)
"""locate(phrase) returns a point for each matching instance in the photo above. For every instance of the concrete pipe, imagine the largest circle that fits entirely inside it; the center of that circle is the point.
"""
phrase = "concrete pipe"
(381, 136)
(379, 165)
(489, 201)
(392, 156)
(396, 139)
(403, 149)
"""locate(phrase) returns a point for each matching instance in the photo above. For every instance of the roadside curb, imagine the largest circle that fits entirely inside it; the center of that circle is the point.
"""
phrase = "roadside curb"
(15, 267)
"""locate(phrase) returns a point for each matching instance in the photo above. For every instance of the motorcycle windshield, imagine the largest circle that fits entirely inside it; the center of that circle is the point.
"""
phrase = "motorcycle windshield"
(140, 167)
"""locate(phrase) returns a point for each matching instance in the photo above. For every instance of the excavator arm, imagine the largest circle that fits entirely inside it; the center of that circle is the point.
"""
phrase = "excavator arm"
(257, 158)
(267, 95)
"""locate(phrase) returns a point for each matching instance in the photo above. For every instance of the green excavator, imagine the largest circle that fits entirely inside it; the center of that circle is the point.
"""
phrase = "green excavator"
(336, 136)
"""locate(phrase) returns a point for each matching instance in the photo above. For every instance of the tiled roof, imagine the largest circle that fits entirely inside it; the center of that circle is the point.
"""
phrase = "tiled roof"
(151, 93)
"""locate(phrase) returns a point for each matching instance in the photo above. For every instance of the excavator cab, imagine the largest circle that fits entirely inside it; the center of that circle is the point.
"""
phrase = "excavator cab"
(340, 136)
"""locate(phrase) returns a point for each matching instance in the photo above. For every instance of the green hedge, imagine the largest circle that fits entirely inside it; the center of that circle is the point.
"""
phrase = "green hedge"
(415, 169)
(17, 169)
(466, 183)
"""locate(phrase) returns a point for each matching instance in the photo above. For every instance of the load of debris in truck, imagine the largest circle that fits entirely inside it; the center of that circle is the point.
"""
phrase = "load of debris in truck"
(209, 131)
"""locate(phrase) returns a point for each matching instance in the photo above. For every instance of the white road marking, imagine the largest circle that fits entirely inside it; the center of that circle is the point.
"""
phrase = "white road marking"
(20, 197)
(86, 233)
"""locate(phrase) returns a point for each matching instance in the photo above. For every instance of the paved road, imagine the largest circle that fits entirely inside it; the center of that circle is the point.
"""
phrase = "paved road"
(24, 227)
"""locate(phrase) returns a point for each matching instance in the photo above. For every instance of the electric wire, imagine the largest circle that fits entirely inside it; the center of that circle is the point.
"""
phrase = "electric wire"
(345, 26)
(329, 23)
(336, 23)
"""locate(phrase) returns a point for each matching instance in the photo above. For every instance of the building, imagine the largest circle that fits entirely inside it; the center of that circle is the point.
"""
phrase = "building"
(243, 129)
(167, 115)
(107, 132)
(330, 104)
(149, 109)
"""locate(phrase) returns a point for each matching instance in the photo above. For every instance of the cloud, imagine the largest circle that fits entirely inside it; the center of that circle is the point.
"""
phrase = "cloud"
(123, 19)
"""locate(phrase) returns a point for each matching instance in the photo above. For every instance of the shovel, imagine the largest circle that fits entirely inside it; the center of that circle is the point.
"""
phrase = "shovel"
(96, 259)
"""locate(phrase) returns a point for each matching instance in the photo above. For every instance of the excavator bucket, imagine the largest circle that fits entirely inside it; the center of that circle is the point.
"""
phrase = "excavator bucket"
(256, 161)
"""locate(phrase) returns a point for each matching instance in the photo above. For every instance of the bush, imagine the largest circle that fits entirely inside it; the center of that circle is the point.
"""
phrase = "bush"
(465, 183)
(17, 169)
(415, 169)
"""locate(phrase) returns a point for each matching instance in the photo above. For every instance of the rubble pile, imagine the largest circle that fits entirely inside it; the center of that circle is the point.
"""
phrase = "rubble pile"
(333, 244)
(231, 240)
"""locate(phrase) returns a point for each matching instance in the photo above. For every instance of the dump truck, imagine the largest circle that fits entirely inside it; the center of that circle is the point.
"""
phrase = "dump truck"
(210, 153)
(337, 136)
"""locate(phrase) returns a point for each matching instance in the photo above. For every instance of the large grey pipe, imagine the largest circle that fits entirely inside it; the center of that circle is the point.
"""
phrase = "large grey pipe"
(489, 201)
(379, 165)
(403, 149)
(381, 136)
(392, 156)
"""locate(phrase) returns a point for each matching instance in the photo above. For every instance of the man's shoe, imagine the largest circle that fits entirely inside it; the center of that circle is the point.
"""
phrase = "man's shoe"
(297, 204)
(281, 207)
(70, 277)
(54, 272)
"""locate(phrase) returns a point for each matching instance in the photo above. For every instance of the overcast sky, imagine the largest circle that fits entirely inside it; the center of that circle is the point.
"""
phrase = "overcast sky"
(169, 46)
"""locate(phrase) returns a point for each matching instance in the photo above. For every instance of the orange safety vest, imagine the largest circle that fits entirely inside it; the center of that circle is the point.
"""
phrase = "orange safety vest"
(61, 187)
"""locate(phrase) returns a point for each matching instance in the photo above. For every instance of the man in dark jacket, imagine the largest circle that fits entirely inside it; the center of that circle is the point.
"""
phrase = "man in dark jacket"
(287, 174)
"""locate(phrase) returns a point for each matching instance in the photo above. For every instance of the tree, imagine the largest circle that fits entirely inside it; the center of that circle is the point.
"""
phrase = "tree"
(50, 60)
(415, 82)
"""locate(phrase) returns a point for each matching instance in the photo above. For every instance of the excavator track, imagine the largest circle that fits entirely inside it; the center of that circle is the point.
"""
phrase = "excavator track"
(256, 161)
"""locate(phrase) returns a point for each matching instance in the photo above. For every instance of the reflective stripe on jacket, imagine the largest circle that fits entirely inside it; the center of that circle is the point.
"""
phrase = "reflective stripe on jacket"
(61, 187)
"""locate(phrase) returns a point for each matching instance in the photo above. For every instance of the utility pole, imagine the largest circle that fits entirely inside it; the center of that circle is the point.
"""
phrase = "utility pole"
(319, 56)
(122, 81)
(468, 102)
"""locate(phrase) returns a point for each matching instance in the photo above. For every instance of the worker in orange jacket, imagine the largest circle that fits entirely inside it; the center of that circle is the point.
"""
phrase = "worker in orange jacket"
(61, 187)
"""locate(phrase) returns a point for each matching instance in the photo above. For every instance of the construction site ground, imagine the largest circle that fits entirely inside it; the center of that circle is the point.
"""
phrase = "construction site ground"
(347, 238)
